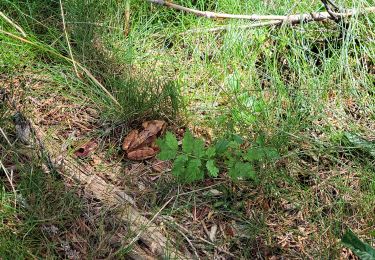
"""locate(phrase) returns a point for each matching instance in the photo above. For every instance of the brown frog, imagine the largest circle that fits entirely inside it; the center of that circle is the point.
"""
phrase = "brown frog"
(141, 145)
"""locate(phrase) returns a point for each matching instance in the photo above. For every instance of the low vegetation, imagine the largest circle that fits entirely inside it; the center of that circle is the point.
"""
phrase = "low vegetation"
(270, 136)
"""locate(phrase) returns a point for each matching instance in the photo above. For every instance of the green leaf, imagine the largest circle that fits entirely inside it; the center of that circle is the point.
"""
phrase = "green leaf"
(272, 153)
(199, 150)
(221, 146)
(238, 139)
(194, 171)
(188, 143)
(212, 169)
(242, 170)
(255, 154)
(179, 166)
(187, 170)
(193, 146)
(210, 152)
(361, 143)
(261, 140)
(261, 153)
(363, 250)
(168, 147)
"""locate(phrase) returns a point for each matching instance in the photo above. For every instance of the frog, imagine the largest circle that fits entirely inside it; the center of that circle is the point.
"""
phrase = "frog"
(141, 144)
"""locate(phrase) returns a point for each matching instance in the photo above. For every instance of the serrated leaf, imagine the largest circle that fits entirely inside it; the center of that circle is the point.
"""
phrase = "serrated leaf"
(212, 169)
(179, 166)
(363, 250)
(221, 146)
(168, 147)
(188, 143)
(199, 150)
(194, 171)
(242, 170)
(210, 152)
(272, 153)
(255, 154)
(193, 146)
(261, 153)
(238, 139)
(261, 140)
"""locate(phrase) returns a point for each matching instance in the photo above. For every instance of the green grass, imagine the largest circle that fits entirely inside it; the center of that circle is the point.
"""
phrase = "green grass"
(303, 87)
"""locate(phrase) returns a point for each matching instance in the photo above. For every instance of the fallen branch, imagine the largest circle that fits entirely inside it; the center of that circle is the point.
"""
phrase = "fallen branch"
(293, 19)
(227, 27)
(275, 19)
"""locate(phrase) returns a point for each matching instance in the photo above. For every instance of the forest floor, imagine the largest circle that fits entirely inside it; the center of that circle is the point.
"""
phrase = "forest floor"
(306, 90)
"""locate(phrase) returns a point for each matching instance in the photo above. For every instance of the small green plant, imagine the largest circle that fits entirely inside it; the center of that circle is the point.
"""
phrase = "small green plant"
(193, 161)
(363, 250)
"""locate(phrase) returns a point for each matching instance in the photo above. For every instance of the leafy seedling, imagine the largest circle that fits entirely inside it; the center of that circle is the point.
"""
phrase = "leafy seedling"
(363, 250)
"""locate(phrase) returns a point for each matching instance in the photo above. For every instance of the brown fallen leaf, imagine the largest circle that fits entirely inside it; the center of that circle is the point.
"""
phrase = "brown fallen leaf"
(129, 139)
(161, 166)
(86, 150)
(152, 129)
(154, 125)
(141, 145)
(142, 153)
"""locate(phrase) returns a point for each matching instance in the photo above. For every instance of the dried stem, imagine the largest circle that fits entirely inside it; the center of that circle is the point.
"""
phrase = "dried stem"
(67, 39)
(6, 18)
(10, 179)
(127, 19)
(5, 136)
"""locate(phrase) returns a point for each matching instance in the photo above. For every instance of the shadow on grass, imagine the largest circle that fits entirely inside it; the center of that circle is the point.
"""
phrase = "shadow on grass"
(140, 96)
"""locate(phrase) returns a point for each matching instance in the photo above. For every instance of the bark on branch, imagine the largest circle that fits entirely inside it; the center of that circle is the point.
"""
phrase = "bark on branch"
(274, 19)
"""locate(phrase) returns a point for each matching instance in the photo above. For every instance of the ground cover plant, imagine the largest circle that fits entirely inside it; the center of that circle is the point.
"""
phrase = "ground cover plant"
(271, 129)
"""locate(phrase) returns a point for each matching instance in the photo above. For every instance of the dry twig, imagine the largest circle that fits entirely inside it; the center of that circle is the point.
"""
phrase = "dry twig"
(5, 137)
(10, 180)
(272, 19)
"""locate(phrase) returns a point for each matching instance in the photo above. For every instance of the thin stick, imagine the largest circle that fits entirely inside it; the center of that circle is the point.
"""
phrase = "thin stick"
(67, 39)
(296, 18)
(10, 182)
(135, 239)
(214, 15)
(5, 136)
(172, 222)
(6, 18)
(292, 19)
(190, 243)
(227, 27)
(88, 73)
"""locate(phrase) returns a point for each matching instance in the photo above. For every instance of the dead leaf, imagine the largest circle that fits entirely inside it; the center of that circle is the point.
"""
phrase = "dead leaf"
(155, 125)
(229, 230)
(161, 166)
(152, 129)
(86, 150)
(142, 154)
(129, 139)
(142, 145)
(212, 234)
